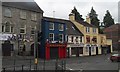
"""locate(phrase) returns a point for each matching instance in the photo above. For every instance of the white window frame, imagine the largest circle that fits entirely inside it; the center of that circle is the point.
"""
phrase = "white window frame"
(87, 48)
(62, 37)
(33, 16)
(94, 30)
(61, 29)
(53, 36)
(87, 29)
(11, 28)
(23, 28)
(51, 23)
(8, 12)
(92, 47)
(33, 29)
(23, 14)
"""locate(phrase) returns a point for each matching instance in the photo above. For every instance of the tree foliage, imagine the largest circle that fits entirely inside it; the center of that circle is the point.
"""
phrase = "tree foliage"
(93, 17)
(108, 20)
(77, 14)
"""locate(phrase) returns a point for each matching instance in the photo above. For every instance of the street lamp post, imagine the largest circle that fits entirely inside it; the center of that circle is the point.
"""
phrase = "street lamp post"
(35, 49)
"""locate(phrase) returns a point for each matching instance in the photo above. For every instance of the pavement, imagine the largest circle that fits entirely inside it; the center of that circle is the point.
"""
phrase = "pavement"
(99, 62)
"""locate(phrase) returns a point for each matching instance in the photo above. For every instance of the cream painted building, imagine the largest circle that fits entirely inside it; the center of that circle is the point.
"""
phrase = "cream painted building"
(92, 39)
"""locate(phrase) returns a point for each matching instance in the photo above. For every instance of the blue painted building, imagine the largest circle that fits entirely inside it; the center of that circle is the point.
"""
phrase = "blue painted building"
(53, 44)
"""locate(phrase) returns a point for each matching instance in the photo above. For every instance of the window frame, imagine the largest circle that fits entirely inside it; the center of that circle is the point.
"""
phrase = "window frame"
(23, 14)
(62, 37)
(52, 38)
(62, 28)
(51, 23)
(33, 16)
(8, 12)
(23, 28)
(87, 29)
(94, 30)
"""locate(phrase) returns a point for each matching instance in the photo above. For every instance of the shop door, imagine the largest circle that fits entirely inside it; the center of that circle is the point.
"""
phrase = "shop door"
(54, 54)
(7, 47)
(96, 50)
(89, 51)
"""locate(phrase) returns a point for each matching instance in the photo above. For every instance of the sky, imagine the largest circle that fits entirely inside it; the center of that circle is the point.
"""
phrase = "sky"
(62, 8)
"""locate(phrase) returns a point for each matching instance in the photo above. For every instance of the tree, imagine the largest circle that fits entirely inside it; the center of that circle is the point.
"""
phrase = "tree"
(77, 14)
(108, 20)
(93, 18)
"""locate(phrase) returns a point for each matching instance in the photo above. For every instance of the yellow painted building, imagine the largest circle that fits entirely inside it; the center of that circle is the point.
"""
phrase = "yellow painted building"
(92, 39)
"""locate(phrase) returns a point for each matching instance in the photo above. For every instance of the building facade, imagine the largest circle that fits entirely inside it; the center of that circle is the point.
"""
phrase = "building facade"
(53, 44)
(74, 40)
(91, 40)
(113, 32)
(20, 21)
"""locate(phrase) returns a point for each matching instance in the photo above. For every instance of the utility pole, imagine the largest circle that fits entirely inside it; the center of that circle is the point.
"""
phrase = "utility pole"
(35, 48)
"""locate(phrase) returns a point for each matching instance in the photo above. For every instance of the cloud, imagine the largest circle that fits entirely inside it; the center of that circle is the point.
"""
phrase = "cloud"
(63, 8)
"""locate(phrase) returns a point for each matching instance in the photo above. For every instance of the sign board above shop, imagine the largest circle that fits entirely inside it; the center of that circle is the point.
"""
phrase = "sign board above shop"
(6, 36)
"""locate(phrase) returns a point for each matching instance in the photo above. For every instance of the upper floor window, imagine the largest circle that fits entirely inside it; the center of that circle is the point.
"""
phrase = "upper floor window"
(87, 39)
(72, 39)
(23, 29)
(80, 38)
(22, 14)
(77, 40)
(94, 39)
(51, 26)
(7, 27)
(33, 30)
(33, 16)
(61, 37)
(94, 30)
(51, 37)
(8, 12)
(87, 29)
(61, 27)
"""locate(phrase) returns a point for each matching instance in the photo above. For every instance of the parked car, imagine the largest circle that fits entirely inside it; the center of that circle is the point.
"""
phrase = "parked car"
(115, 57)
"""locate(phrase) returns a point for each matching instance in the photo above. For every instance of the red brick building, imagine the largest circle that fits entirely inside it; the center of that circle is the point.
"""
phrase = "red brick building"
(113, 32)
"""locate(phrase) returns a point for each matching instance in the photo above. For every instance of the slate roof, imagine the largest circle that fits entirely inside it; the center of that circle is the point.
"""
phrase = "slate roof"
(71, 29)
(24, 5)
(86, 24)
